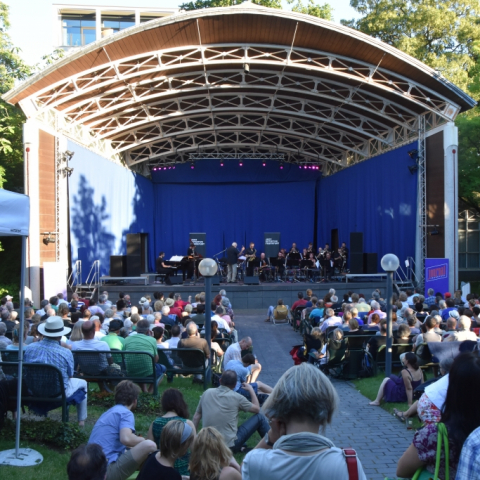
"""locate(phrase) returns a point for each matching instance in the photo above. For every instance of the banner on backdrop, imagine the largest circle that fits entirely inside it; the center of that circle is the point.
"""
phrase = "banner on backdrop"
(436, 274)
(200, 242)
(272, 244)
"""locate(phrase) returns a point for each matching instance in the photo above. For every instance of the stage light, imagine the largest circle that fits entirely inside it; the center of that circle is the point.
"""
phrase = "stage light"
(413, 169)
(240, 164)
(192, 165)
(264, 164)
(246, 68)
(173, 167)
(221, 164)
(281, 166)
(164, 168)
(413, 154)
(300, 167)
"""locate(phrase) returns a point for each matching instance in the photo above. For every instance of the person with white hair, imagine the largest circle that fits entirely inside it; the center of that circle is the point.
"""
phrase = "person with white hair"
(232, 255)
(463, 331)
(362, 305)
(300, 406)
(376, 309)
(166, 319)
(330, 320)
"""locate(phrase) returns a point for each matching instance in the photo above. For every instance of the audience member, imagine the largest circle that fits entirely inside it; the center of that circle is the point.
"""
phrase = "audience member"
(114, 431)
(234, 351)
(49, 351)
(460, 416)
(219, 408)
(280, 312)
(113, 339)
(3, 331)
(331, 320)
(300, 406)
(175, 440)
(463, 331)
(400, 389)
(174, 407)
(211, 459)
(87, 462)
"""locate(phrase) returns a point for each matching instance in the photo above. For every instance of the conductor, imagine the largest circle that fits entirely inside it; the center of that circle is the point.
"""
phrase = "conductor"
(232, 255)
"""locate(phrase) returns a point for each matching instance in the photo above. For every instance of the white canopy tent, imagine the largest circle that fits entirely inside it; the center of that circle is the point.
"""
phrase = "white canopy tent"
(15, 221)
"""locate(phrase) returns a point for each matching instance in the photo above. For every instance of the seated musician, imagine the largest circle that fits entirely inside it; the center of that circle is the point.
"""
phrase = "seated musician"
(304, 254)
(163, 269)
(310, 249)
(263, 267)
(250, 254)
(312, 266)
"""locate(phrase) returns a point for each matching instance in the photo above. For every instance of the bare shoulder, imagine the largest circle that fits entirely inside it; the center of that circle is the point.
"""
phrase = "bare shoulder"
(230, 473)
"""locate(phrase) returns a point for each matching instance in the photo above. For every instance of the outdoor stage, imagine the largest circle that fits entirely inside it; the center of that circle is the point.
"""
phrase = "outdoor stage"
(244, 297)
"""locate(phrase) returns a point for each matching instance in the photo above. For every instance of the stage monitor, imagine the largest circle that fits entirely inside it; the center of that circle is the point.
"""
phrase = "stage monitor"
(272, 244)
(200, 242)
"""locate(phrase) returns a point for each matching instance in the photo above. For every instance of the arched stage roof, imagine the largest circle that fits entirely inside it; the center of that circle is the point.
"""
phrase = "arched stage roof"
(242, 79)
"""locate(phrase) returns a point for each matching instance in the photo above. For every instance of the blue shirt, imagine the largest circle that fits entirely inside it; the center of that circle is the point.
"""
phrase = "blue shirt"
(51, 352)
(469, 464)
(106, 431)
(431, 300)
(446, 312)
(241, 371)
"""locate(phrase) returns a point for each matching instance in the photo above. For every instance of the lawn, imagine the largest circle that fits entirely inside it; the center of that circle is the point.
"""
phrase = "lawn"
(54, 463)
(369, 388)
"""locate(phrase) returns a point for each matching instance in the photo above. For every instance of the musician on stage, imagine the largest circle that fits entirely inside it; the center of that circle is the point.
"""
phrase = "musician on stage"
(304, 254)
(281, 262)
(192, 255)
(328, 267)
(294, 248)
(327, 248)
(311, 265)
(232, 255)
(310, 249)
(163, 269)
(250, 254)
(320, 253)
(339, 259)
(264, 265)
(345, 250)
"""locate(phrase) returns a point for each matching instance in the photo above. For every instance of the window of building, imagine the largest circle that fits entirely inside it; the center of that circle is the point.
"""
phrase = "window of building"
(469, 240)
(78, 30)
(114, 23)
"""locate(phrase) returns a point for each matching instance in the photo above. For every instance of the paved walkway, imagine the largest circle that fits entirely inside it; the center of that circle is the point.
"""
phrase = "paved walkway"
(377, 436)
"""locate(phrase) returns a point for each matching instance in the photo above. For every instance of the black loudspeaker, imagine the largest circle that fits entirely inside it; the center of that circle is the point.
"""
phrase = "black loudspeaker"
(370, 262)
(356, 242)
(356, 263)
(251, 280)
(176, 280)
(134, 268)
(118, 266)
(137, 244)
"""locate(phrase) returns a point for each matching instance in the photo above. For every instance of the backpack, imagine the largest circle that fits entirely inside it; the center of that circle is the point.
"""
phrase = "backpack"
(367, 368)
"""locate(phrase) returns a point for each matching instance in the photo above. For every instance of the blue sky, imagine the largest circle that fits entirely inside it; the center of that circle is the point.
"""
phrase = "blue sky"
(32, 21)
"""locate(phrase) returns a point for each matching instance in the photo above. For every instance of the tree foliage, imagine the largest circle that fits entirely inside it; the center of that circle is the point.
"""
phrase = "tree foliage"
(311, 8)
(12, 69)
(440, 33)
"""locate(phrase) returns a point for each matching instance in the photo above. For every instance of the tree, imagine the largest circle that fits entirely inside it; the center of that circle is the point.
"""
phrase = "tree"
(12, 69)
(322, 11)
(440, 33)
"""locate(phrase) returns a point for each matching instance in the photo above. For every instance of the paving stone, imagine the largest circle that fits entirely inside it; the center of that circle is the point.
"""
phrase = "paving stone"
(376, 435)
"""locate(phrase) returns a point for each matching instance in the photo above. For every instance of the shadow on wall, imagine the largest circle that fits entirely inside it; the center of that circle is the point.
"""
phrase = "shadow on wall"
(87, 224)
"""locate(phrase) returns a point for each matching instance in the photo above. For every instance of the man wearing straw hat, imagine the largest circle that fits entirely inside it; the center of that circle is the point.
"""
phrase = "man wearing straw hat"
(49, 351)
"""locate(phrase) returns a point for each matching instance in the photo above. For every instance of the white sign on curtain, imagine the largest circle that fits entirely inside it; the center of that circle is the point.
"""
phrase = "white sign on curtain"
(54, 279)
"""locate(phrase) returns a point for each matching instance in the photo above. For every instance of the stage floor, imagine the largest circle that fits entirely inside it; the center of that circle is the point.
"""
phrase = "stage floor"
(246, 296)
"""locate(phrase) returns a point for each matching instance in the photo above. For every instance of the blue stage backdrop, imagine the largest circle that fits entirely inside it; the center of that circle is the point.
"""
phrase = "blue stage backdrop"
(233, 204)
(377, 197)
(107, 201)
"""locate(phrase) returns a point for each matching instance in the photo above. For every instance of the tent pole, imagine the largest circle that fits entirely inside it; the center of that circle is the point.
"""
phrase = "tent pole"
(20, 346)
